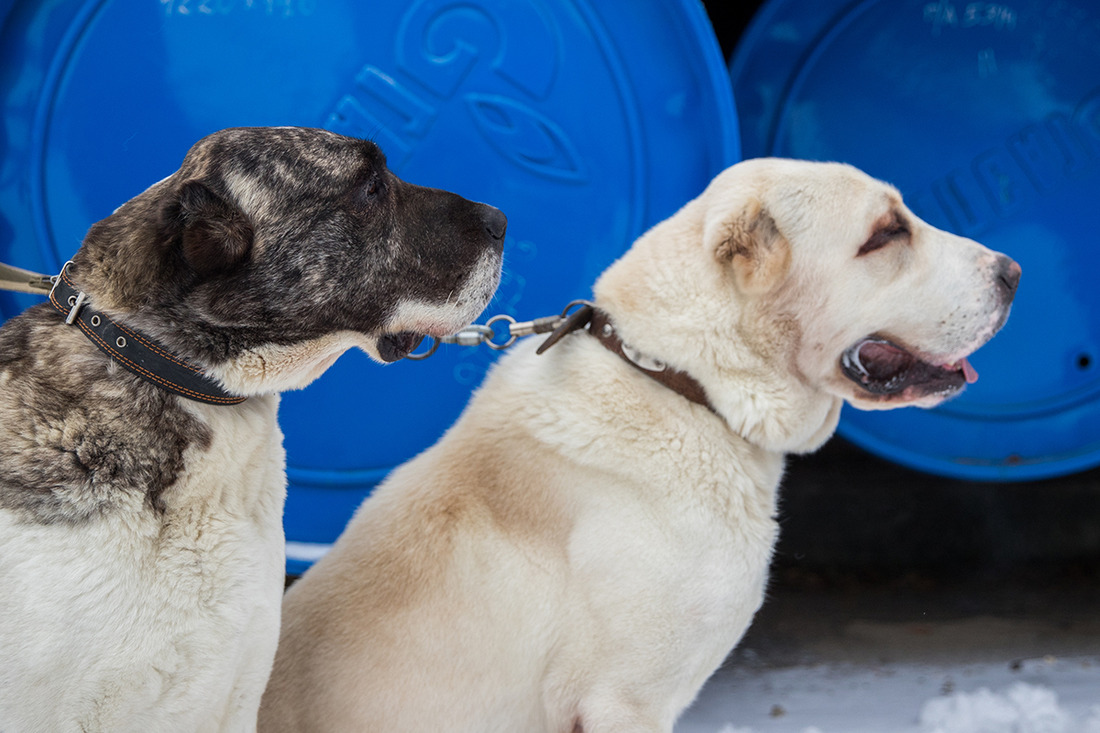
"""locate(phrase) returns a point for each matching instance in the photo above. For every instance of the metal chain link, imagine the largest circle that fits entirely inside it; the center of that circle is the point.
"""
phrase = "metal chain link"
(477, 334)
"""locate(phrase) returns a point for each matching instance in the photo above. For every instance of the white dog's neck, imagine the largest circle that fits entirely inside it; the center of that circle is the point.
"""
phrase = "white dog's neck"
(756, 403)
(652, 295)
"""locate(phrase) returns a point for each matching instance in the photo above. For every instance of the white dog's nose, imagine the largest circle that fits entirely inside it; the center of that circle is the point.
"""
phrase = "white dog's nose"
(1008, 275)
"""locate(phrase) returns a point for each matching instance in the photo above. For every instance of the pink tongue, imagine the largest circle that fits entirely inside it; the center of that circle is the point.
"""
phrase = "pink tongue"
(969, 372)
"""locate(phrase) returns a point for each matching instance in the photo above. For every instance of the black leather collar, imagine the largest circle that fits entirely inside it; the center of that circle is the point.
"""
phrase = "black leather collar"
(133, 350)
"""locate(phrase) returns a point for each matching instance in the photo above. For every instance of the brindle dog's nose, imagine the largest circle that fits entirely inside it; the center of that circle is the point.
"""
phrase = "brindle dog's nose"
(495, 222)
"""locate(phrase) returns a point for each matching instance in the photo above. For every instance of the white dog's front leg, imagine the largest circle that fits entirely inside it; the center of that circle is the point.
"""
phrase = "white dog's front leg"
(633, 725)
(619, 716)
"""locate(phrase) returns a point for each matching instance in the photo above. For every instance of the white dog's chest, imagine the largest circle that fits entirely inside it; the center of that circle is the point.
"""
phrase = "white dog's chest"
(668, 589)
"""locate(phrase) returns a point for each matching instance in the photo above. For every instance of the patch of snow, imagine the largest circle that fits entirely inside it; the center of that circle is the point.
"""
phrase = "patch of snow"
(1049, 695)
(1023, 708)
(1092, 724)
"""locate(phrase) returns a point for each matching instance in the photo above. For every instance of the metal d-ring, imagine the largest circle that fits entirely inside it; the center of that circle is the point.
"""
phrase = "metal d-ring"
(484, 333)
(425, 354)
(574, 304)
(511, 336)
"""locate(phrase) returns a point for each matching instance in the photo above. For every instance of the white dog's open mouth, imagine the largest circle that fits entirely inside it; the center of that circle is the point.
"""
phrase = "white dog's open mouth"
(885, 369)
(394, 346)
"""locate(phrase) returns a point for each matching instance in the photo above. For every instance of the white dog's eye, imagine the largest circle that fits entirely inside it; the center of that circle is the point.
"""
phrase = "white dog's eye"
(895, 230)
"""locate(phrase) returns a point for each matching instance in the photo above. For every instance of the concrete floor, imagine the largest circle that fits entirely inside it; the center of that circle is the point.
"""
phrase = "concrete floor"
(881, 659)
(853, 657)
(898, 595)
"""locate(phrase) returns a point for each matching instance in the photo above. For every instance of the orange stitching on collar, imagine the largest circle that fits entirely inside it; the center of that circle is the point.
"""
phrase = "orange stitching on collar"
(136, 368)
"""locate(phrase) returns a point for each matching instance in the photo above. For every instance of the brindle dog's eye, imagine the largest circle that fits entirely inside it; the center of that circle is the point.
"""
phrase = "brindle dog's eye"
(371, 189)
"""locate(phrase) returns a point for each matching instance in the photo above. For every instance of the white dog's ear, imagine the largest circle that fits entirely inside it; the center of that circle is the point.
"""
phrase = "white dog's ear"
(750, 242)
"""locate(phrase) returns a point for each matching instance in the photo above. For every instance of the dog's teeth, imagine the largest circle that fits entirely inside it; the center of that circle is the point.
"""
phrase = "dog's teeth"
(851, 361)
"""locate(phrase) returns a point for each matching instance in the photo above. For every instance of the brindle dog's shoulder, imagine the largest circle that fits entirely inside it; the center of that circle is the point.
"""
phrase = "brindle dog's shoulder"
(78, 436)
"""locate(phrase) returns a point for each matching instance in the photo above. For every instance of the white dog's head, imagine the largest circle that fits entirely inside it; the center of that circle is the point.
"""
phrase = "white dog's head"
(789, 286)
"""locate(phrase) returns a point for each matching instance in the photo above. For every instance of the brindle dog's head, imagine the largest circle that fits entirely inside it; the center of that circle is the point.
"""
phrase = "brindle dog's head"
(272, 250)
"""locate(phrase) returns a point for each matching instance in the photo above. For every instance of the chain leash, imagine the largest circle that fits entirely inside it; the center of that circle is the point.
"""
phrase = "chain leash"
(486, 333)
(25, 281)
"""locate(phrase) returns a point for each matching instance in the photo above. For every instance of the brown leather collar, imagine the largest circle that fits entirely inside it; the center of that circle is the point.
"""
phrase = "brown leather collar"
(598, 324)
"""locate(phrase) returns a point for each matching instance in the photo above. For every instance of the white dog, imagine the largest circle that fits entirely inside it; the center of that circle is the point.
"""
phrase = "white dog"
(592, 537)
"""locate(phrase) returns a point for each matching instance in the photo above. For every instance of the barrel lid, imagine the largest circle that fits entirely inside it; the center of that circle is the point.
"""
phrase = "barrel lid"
(585, 122)
(987, 117)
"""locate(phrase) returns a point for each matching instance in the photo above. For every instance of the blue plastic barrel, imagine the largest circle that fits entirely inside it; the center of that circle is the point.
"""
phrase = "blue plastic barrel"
(585, 121)
(987, 117)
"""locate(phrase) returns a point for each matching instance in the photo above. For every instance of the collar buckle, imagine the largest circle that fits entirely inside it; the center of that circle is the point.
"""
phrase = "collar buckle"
(76, 303)
(133, 350)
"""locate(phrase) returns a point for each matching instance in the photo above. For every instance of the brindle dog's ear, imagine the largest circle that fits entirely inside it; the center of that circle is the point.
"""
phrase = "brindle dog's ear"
(749, 240)
(216, 234)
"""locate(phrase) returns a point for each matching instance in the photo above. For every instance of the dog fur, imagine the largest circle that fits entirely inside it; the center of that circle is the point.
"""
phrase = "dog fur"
(141, 546)
(585, 546)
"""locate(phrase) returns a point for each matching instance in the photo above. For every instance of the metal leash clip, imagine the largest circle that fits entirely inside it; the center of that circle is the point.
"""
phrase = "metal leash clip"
(477, 334)
(19, 280)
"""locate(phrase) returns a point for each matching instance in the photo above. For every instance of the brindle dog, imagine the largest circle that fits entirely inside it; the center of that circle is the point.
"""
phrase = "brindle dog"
(141, 548)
